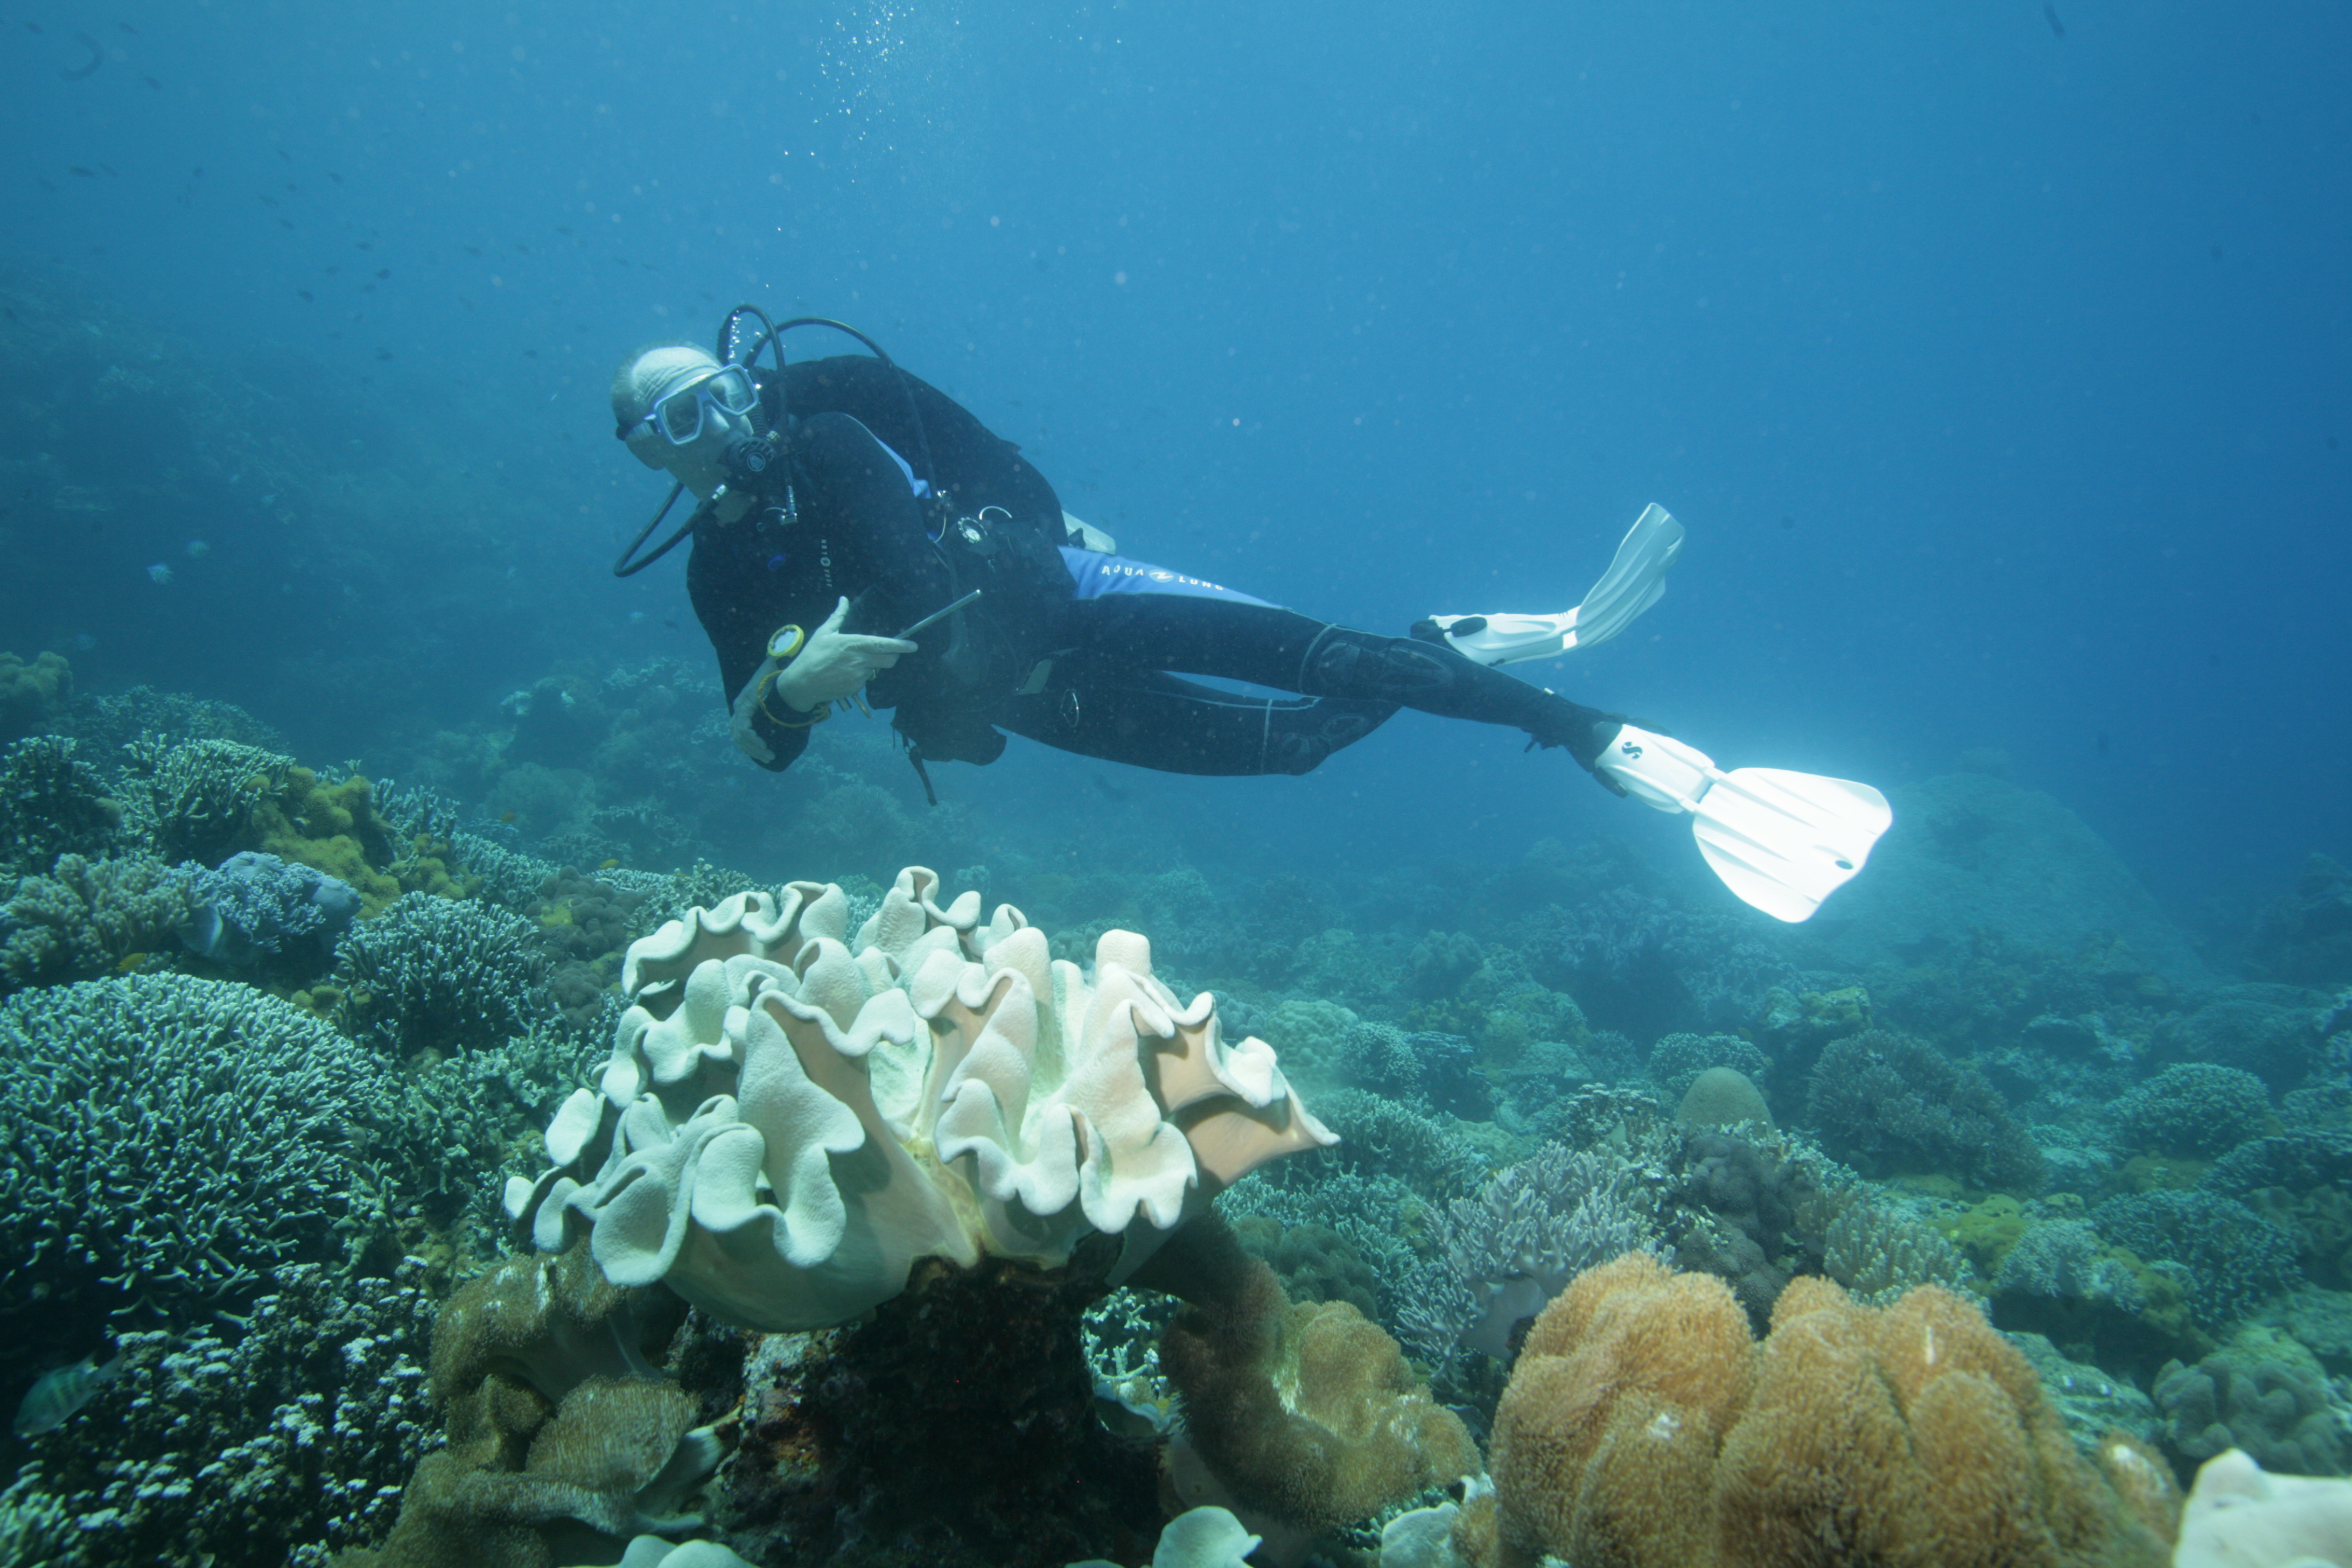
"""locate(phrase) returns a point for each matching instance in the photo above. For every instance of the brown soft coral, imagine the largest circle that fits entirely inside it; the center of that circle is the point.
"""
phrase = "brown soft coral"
(1307, 1411)
(1641, 1428)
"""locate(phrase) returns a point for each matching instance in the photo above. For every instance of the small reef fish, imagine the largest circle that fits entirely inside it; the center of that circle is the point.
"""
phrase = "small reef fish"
(54, 1397)
(609, 864)
(198, 550)
(159, 572)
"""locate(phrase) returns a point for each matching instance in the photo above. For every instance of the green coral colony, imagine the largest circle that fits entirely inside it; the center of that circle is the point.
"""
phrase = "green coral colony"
(378, 1193)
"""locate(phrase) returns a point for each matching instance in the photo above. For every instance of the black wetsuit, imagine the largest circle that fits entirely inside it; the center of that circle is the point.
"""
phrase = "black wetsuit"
(1076, 650)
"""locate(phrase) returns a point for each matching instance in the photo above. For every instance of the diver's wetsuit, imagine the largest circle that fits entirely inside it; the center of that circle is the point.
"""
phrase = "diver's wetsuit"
(1068, 646)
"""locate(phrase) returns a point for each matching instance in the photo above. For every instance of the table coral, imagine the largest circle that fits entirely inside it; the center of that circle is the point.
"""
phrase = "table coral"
(789, 1123)
(1643, 1427)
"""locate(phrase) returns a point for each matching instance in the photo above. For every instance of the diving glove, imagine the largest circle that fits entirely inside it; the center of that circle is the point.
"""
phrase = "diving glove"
(835, 664)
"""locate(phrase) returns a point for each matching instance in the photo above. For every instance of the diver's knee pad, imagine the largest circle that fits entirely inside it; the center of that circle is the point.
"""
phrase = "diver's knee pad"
(1342, 662)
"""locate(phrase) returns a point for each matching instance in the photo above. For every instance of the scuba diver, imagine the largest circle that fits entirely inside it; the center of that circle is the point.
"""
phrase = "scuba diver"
(862, 540)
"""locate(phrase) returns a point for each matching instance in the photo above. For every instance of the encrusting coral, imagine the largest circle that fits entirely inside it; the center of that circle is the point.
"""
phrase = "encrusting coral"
(787, 1123)
(1643, 1428)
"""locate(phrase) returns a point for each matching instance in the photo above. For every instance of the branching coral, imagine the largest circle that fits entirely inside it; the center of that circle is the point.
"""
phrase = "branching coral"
(1643, 1428)
(2228, 1257)
(788, 1123)
(290, 1436)
(174, 1139)
(440, 974)
(1894, 1105)
(196, 801)
(1533, 1227)
(2197, 1109)
(52, 803)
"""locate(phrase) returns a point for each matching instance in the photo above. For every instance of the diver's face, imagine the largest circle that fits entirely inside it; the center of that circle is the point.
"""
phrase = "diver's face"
(697, 464)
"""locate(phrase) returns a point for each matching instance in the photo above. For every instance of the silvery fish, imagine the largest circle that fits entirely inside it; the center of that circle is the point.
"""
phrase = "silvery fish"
(52, 1400)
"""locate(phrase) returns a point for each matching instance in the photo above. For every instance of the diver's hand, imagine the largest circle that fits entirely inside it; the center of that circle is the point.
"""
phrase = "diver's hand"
(835, 663)
(747, 739)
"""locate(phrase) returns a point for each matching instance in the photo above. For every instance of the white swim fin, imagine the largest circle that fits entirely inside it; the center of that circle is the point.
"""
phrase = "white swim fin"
(1635, 579)
(1781, 841)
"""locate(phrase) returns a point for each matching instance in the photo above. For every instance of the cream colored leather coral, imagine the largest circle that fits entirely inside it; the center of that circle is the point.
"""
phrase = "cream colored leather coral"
(793, 1117)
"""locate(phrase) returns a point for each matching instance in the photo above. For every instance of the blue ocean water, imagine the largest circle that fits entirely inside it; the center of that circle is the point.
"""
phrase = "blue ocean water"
(1996, 371)
(1993, 357)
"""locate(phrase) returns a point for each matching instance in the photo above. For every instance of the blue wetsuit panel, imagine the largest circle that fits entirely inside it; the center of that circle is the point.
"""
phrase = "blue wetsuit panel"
(1098, 576)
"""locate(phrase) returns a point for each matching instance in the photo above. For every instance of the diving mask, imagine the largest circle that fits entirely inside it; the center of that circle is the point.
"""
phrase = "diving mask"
(678, 416)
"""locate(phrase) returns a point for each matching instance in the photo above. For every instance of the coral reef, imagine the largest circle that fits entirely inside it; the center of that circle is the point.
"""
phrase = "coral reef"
(52, 803)
(268, 1447)
(1532, 1227)
(1677, 1060)
(2067, 1260)
(2262, 1393)
(1879, 1254)
(1890, 1104)
(1722, 1097)
(2196, 1108)
(955, 1427)
(440, 974)
(787, 1124)
(2304, 938)
(1642, 1428)
(1303, 1413)
(254, 909)
(89, 917)
(196, 801)
(174, 1142)
(31, 691)
(559, 1430)
(2228, 1258)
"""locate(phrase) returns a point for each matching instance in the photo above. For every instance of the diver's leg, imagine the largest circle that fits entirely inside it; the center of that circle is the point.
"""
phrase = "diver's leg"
(1153, 720)
(1269, 645)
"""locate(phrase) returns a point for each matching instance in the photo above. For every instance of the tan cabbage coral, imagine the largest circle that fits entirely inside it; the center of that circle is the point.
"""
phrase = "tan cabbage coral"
(791, 1117)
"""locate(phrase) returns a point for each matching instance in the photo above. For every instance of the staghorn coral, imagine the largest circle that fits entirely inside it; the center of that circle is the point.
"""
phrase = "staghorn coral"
(2228, 1258)
(1643, 1428)
(787, 1124)
(196, 801)
(1534, 1226)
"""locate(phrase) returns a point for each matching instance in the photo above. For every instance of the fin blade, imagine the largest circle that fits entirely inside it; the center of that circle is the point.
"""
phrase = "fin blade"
(1784, 841)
